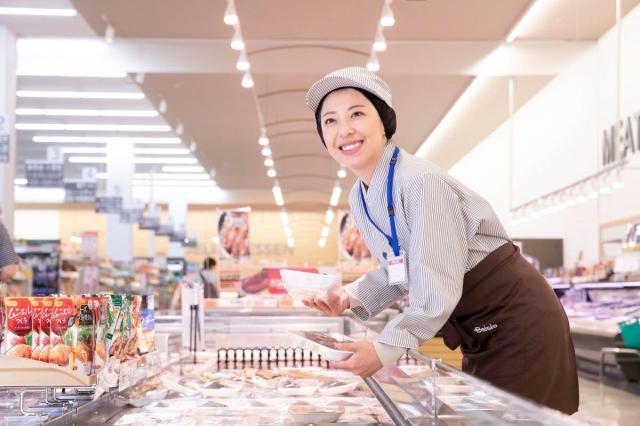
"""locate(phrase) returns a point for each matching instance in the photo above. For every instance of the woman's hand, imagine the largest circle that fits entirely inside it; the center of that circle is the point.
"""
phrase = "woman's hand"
(335, 304)
(364, 362)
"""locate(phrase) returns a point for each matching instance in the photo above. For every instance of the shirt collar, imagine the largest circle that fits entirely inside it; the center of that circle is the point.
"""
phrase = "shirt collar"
(379, 179)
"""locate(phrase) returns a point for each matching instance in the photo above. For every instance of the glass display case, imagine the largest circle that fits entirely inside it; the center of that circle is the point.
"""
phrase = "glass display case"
(252, 372)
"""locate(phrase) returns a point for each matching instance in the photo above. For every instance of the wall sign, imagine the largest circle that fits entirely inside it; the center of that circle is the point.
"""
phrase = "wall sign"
(80, 192)
(5, 140)
(131, 216)
(620, 142)
(4, 148)
(44, 174)
(149, 222)
(108, 204)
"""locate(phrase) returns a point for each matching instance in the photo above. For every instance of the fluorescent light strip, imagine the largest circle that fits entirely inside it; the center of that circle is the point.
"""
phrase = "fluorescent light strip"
(95, 127)
(137, 151)
(161, 151)
(66, 73)
(37, 11)
(144, 182)
(78, 95)
(175, 176)
(20, 181)
(86, 112)
(183, 169)
(141, 160)
(106, 139)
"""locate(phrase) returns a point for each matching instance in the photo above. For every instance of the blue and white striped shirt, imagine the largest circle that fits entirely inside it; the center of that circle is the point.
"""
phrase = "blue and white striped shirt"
(444, 228)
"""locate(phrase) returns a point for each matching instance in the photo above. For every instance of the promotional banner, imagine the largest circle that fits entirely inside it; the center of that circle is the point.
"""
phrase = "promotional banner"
(233, 247)
(355, 257)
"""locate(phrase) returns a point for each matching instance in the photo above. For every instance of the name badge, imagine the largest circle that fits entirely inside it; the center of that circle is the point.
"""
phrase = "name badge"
(397, 268)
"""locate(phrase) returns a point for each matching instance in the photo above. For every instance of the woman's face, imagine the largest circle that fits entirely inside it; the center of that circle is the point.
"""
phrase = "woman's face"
(352, 130)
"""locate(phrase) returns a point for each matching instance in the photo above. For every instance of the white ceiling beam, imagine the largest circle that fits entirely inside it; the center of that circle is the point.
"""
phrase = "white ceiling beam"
(175, 56)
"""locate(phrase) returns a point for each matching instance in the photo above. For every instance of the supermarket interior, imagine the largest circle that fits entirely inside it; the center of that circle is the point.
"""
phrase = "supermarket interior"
(287, 212)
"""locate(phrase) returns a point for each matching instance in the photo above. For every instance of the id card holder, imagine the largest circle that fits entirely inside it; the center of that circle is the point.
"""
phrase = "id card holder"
(397, 269)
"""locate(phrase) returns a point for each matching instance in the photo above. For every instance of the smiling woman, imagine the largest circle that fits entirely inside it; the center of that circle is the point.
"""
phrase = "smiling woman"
(445, 248)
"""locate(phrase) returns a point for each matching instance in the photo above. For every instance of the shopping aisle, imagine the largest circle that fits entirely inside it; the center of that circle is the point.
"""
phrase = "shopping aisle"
(605, 405)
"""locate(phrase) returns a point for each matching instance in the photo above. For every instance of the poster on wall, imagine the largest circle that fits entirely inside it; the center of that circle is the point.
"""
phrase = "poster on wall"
(233, 247)
(355, 257)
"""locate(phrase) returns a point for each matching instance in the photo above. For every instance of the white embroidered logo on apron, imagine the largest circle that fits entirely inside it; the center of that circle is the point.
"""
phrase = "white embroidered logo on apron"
(485, 328)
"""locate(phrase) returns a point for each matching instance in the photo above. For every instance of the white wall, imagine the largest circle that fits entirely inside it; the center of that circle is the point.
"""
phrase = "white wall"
(557, 141)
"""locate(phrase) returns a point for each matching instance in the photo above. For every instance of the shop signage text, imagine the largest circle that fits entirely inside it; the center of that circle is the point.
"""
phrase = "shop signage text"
(620, 142)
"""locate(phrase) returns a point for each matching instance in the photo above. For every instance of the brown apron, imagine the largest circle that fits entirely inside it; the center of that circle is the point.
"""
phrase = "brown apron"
(514, 332)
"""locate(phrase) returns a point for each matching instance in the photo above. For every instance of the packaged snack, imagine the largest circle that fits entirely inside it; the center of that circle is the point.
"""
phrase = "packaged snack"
(45, 329)
(146, 329)
(99, 308)
(63, 320)
(36, 315)
(115, 315)
(18, 327)
(84, 337)
(134, 318)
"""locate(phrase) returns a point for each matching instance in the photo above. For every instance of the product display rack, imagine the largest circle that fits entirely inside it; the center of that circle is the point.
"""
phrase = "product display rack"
(417, 391)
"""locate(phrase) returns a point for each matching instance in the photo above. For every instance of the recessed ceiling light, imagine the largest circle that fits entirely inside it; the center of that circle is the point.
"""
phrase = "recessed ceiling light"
(86, 112)
(106, 139)
(95, 127)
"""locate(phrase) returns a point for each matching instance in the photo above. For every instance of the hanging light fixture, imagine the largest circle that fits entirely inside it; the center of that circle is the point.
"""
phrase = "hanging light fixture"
(230, 15)
(247, 80)
(266, 152)
(342, 173)
(387, 19)
(263, 140)
(268, 162)
(271, 173)
(380, 43)
(242, 64)
(373, 65)
(236, 42)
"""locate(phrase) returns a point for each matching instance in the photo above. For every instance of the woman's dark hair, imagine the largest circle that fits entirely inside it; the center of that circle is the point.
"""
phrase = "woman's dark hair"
(209, 263)
(386, 113)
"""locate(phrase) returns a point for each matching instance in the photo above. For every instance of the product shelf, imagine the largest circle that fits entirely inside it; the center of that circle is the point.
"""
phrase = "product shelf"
(25, 373)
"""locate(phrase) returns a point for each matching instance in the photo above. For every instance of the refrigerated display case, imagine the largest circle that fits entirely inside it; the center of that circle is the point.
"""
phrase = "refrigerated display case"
(252, 372)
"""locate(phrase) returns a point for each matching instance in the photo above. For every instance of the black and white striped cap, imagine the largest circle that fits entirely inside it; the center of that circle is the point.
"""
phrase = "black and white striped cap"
(359, 77)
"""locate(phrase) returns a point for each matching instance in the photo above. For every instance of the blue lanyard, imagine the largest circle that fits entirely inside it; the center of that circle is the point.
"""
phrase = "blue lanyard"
(393, 238)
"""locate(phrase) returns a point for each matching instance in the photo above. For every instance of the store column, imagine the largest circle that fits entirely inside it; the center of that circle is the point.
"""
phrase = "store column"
(120, 169)
(178, 215)
(7, 125)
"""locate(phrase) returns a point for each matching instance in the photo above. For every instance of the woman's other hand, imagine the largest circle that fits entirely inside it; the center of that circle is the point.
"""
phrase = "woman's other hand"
(336, 303)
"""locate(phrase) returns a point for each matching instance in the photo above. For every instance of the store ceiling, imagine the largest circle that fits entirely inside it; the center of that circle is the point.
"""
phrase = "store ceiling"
(290, 44)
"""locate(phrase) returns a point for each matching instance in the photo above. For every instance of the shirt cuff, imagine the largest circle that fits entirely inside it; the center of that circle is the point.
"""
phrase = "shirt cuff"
(354, 302)
(388, 354)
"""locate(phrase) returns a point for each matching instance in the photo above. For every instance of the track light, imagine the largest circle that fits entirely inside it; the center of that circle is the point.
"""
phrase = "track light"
(379, 44)
(230, 15)
(373, 65)
(247, 80)
(387, 19)
(243, 63)
(236, 41)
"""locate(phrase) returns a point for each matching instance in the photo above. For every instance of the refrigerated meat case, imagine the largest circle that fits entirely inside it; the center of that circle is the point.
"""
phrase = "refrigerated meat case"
(251, 372)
